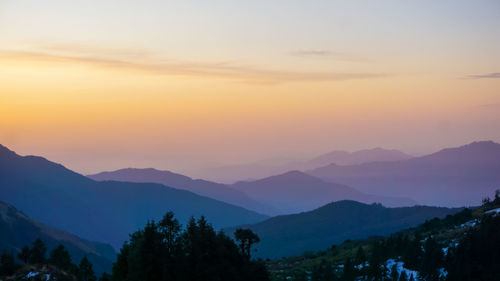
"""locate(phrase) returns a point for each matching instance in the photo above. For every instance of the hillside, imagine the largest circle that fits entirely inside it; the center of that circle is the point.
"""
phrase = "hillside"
(459, 176)
(295, 192)
(462, 246)
(101, 211)
(18, 230)
(213, 190)
(333, 223)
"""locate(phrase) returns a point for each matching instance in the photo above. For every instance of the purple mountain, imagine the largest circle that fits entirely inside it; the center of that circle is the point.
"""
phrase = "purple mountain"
(213, 190)
(232, 173)
(296, 191)
(451, 177)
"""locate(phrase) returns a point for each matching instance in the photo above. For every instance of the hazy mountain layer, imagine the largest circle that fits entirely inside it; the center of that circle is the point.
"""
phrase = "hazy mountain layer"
(101, 211)
(451, 177)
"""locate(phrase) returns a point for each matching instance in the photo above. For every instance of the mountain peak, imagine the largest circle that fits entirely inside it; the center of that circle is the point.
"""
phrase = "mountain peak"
(293, 176)
(5, 151)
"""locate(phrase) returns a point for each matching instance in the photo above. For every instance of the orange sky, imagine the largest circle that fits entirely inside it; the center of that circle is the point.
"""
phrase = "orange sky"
(236, 83)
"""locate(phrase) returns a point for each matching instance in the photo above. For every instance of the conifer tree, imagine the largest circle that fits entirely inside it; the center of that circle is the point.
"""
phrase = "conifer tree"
(432, 260)
(37, 252)
(349, 273)
(394, 273)
(59, 257)
(24, 254)
(85, 271)
(360, 256)
(403, 276)
(7, 264)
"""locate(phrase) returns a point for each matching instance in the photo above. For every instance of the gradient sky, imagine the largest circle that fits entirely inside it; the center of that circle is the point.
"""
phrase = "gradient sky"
(101, 85)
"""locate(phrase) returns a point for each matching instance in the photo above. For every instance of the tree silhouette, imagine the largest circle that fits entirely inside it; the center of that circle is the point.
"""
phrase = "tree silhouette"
(59, 257)
(85, 271)
(24, 254)
(37, 252)
(246, 239)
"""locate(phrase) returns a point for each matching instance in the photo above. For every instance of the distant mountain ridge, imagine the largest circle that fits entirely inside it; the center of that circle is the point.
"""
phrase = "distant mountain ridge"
(233, 173)
(450, 177)
(295, 192)
(333, 223)
(18, 230)
(101, 211)
(202, 187)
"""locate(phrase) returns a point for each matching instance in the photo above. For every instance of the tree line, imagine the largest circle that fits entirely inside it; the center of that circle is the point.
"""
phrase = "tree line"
(58, 257)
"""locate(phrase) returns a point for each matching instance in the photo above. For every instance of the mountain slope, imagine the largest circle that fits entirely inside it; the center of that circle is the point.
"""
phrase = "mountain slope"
(101, 211)
(205, 188)
(451, 177)
(18, 230)
(232, 173)
(333, 223)
(296, 191)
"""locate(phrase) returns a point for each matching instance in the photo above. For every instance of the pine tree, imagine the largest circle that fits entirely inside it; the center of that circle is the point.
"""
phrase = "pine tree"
(24, 254)
(376, 270)
(105, 277)
(59, 257)
(349, 273)
(7, 264)
(402, 276)
(360, 256)
(37, 252)
(432, 261)
(394, 273)
(85, 271)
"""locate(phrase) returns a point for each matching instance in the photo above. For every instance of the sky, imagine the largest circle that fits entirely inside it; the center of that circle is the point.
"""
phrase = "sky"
(179, 85)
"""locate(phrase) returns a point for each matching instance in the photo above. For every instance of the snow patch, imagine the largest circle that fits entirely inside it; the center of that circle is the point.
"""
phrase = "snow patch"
(400, 268)
(495, 212)
(31, 274)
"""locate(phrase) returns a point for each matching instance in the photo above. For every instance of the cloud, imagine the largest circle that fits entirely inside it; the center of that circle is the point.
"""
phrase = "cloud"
(490, 106)
(133, 61)
(484, 76)
(329, 54)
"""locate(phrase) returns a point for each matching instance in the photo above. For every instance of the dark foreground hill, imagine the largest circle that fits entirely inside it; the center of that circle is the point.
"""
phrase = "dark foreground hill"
(460, 176)
(460, 247)
(18, 230)
(101, 211)
(333, 223)
(213, 190)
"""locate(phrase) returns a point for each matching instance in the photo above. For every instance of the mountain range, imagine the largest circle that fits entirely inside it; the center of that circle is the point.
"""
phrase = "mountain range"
(333, 223)
(460, 176)
(232, 173)
(295, 192)
(102, 211)
(18, 230)
(213, 190)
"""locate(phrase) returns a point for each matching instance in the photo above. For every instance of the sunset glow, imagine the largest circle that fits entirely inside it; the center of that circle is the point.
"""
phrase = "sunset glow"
(102, 85)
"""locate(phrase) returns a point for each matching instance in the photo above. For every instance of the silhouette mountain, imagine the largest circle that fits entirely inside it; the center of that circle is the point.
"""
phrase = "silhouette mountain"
(296, 191)
(233, 173)
(18, 230)
(451, 177)
(332, 224)
(213, 190)
(102, 211)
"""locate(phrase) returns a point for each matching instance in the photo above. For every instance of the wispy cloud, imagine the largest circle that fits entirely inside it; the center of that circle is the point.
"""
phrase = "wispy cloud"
(134, 61)
(490, 106)
(493, 75)
(329, 54)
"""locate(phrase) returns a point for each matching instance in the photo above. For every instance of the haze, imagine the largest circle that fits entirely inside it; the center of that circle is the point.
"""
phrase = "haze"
(102, 85)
